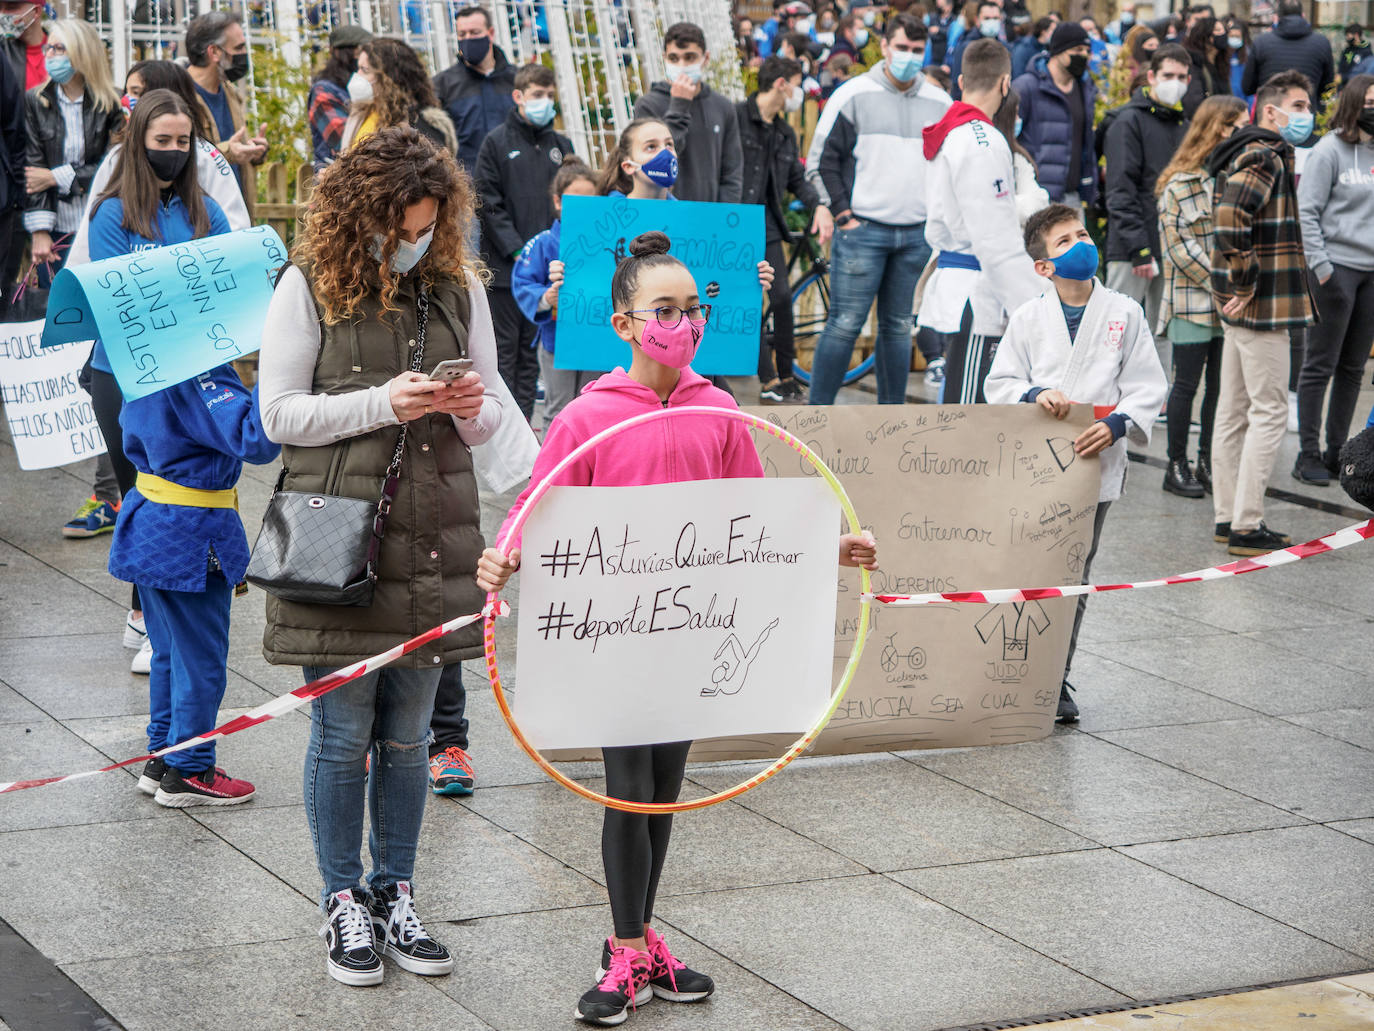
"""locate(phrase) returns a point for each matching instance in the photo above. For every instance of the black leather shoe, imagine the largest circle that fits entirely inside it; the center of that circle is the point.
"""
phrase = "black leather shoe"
(1202, 472)
(1178, 479)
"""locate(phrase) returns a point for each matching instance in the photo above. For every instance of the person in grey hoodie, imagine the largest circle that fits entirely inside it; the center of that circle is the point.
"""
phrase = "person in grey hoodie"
(703, 123)
(1336, 207)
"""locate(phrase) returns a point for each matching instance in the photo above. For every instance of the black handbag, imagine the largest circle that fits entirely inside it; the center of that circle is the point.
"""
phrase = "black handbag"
(321, 549)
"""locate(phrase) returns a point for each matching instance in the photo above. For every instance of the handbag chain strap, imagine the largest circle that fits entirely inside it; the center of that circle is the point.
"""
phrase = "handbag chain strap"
(393, 471)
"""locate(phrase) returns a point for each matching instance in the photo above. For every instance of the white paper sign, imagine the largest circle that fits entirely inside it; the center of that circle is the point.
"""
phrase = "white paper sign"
(676, 611)
(50, 416)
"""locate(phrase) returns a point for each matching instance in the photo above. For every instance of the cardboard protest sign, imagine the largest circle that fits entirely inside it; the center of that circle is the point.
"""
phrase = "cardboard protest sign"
(167, 314)
(721, 245)
(959, 498)
(50, 416)
(676, 611)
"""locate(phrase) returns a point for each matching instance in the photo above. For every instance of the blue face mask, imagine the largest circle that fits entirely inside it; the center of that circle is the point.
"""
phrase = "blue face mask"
(1299, 126)
(1078, 262)
(60, 69)
(407, 254)
(661, 169)
(1235, 42)
(903, 65)
(539, 111)
(1016, 129)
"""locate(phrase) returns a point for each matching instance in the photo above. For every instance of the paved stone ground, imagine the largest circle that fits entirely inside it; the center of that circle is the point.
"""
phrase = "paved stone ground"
(1209, 824)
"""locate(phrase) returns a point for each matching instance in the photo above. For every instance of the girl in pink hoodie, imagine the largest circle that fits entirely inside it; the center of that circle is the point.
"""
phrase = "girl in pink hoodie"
(658, 312)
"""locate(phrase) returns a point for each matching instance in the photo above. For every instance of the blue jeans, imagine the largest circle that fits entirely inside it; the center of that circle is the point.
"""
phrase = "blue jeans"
(189, 631)
(868, 261)
(385, 713)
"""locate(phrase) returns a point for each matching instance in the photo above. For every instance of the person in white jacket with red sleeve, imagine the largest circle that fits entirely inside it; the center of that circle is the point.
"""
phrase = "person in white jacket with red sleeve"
(1080, 343)
(982, 270)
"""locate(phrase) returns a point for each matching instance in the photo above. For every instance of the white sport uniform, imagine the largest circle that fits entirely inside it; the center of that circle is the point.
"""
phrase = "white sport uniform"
(1111, 361)
(213, 172)
(971, 210)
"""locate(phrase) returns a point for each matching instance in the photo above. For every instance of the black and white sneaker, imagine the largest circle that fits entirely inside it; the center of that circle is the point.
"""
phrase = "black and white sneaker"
(771, 393)
(151, 777)
(1068, 708)
(401, 936)
(672, 979)
(353, 957)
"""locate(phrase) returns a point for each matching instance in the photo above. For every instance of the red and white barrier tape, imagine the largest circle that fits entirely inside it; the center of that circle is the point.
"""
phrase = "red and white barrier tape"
(1331, 542)
(281, 704)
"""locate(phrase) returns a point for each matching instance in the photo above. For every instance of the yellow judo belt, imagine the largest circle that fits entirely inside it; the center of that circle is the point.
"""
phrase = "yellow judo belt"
(165, 492)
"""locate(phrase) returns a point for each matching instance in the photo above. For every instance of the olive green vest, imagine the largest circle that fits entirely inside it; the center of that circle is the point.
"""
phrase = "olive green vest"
(433, 538)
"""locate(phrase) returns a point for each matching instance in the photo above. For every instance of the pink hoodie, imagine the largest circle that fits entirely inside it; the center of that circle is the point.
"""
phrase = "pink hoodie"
(665, 451)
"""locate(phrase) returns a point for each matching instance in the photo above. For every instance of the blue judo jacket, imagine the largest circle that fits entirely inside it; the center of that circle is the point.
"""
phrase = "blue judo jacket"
(196, 434)
(529, 279)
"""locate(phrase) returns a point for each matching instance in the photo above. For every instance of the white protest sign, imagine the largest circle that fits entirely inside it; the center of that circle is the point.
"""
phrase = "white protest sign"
(50, 416)
(676, 611)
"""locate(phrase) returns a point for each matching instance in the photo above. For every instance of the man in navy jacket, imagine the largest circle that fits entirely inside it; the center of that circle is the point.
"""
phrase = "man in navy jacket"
(1057, 97)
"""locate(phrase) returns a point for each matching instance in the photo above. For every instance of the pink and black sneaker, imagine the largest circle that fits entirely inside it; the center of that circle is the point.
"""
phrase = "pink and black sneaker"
(208, 787)
(622, 984)
(672, 979)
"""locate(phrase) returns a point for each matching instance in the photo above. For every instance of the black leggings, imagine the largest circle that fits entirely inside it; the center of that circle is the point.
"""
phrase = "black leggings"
(780, 341)
(108, 402)
(633, 846)
(1189, 360)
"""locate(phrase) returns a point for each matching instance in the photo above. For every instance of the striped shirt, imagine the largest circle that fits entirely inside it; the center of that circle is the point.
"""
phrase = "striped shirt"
(69, 207)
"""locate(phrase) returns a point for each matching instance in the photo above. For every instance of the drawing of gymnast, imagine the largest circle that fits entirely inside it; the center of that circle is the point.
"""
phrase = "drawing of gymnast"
(730, 675)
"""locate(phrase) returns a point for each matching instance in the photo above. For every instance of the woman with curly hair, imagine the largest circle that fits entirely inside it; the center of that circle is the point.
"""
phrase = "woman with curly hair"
(391, 87)
(381, 289)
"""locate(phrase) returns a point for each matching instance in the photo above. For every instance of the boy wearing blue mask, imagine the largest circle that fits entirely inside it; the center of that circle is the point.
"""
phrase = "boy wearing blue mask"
(1259, 283)
(1080, 343)
(514, 171)
(705, 129)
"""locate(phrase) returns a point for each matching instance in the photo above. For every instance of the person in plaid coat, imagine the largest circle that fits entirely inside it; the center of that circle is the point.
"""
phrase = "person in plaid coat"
(1259, 283)
(1188, 316)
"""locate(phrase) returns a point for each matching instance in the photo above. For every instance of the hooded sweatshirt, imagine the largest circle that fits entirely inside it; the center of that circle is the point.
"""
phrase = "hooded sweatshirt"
(1291, 46)
(1139, 145)
(664, 451)
(1336, 205)
(1259, 250)
(706, 137)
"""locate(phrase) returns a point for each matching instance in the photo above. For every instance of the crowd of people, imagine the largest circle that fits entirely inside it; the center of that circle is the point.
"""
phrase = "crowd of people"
(970, 176)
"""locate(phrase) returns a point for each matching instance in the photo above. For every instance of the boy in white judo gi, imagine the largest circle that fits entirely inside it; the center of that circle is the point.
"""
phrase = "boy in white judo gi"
(1080, 343)
(982, 271)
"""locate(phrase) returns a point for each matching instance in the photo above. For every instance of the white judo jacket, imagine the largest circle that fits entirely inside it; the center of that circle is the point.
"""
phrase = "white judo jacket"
(1112, 361)
(971, 209)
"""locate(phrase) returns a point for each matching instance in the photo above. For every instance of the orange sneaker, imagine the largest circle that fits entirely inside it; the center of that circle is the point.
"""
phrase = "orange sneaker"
(450, 772)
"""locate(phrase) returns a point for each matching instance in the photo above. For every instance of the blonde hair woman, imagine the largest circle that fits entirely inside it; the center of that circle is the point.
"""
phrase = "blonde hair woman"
(59, 165)
(1188, 316)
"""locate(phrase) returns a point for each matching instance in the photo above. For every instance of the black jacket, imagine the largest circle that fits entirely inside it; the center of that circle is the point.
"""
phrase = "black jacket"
(1140, 143)
(47, 133)
(477, 103)
(12, 138)
(772, 166)
(706, 137)
(515, 169)
(1203, 82)
(1293, 45)
(1352, 56)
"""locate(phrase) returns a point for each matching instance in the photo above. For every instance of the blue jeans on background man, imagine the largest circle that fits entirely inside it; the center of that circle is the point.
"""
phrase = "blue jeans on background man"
(868, 261)
(388, 709)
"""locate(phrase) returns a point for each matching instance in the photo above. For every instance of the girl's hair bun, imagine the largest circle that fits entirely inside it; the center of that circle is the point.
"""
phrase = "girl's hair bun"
(646, 244)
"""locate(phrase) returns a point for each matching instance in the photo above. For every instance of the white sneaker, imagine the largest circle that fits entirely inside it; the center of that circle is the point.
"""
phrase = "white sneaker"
(135, 632)
(935, 372)
(143, 661)
(1292, 411)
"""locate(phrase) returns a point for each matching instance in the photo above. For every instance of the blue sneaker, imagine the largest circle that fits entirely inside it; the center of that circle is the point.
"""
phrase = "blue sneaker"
(92, 519)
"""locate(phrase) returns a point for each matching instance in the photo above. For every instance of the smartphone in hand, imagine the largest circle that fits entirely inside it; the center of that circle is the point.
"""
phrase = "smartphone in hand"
(452, 370)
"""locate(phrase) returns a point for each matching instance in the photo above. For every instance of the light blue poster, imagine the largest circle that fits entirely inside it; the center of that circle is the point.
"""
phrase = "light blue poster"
(167, 314)
(721, 245)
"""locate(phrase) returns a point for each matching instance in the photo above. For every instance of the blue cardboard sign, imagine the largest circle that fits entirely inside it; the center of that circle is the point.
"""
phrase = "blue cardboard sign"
(167, 314)
(721, 245)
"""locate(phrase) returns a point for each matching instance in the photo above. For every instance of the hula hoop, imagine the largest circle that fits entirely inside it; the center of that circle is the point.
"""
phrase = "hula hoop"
(798, 746)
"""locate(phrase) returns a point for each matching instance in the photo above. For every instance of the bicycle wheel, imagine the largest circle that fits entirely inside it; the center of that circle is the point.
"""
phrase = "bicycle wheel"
(810, 310)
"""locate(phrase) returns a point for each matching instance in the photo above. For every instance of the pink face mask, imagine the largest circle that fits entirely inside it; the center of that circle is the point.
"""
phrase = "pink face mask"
(674, 346)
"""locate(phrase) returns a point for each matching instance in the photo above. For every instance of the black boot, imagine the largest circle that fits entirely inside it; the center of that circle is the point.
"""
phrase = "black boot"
(1202, 472)
(1178, 479)
(1331, 458)
(1310, 468)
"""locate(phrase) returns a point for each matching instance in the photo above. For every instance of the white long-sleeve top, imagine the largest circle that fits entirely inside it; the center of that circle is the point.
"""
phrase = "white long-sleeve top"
(293, 414)
(1111, 361)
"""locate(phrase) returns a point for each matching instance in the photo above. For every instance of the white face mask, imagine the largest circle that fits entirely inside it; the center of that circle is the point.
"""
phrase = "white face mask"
(1170, 91)
(692, 71)
(359, 89)
(794, 100)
